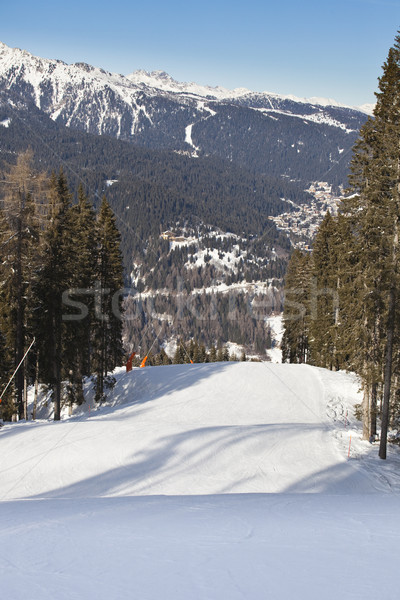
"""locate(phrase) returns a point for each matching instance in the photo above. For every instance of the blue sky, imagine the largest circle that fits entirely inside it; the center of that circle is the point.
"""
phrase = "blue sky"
(332, 49)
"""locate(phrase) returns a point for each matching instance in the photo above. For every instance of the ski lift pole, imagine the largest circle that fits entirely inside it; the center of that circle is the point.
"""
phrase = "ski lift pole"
(187, 353)
(16, 370)
(143, 363)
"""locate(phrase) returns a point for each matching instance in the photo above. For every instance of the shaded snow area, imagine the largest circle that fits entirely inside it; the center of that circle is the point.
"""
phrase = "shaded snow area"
(222, 480)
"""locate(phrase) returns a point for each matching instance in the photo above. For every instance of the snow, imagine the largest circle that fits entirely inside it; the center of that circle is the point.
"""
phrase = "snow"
(276, 324)
(318, 117)
(188, 136)
(224, 480)
(85, 81)
(221, 260)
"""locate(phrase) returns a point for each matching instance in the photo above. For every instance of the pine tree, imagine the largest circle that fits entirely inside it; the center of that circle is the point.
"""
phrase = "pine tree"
(324, 297)
(53, 280)
(107, 338)
(296, 312)
(79, 324)
(23, 191)
(375, 213)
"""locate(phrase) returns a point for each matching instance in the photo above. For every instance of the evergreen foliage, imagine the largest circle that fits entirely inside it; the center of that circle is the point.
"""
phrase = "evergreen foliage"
(62, 285)
(108, 350)
(297, 309)
(355, 280)
(22, 195)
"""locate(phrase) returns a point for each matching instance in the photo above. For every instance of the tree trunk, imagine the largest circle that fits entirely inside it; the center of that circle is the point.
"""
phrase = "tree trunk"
(56, 333)
(19, 345)
(373, 409)
(388, 372)
(36, 388)
(366, 413)
(25, 390)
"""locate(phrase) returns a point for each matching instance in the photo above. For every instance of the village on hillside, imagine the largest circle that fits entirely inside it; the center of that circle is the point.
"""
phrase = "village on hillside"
(302, 224)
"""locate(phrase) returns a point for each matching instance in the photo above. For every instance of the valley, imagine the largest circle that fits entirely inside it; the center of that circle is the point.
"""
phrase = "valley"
(211, 188)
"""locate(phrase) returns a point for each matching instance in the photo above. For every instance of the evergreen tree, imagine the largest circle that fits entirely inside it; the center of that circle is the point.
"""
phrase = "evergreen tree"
(107, 339)
(23, 191)
(296, 312)
(375, 212)
(54, 278)
(324, 297)
(78, 325)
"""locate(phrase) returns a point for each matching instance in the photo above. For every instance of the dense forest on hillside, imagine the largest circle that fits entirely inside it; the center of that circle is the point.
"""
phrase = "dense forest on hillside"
(198, 200)
(341, 305)
(61, 276)
(288, 146)
(152, 190)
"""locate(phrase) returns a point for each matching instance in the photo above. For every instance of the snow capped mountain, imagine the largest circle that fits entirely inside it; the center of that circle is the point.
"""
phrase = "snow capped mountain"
(154, 110)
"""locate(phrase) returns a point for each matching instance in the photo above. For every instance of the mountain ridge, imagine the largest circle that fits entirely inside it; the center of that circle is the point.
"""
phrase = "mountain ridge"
(161, 80)
(252, 129)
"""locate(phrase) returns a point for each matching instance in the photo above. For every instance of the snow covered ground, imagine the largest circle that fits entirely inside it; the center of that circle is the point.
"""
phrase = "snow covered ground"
(224, 480)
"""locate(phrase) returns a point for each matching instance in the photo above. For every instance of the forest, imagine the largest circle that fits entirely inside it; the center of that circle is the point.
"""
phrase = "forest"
(341, 306)
(60, 306)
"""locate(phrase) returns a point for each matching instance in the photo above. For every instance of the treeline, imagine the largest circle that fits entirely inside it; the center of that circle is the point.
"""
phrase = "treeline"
(280, 145)
(61, 277)
(235, 262)
(341, 306)
(238, 317)
(192, 352)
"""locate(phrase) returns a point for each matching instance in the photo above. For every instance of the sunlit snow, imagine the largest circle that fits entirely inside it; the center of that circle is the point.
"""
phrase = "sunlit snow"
(224, 480)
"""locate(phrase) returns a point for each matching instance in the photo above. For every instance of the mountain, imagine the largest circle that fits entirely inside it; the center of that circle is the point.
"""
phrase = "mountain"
(306, 140)
(198, 178)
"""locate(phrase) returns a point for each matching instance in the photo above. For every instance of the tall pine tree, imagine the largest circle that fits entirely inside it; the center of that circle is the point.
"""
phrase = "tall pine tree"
(107, 338)
(53, 279)
(23, 192)
(374, 210)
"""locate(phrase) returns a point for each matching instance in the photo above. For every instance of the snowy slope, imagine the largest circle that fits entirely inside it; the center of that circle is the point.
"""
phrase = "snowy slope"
(225, 480)
(197, 429)
(155, 111)
(99, 101)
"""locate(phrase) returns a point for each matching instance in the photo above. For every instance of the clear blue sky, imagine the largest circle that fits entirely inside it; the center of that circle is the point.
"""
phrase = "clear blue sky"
(333, 49)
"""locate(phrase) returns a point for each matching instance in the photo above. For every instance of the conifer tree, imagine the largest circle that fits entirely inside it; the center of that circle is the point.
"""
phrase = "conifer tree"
(375, 213)
(324, 297)
(107, 338)
(78, 325)
(296, 312)
(53, 280)
(23, 191)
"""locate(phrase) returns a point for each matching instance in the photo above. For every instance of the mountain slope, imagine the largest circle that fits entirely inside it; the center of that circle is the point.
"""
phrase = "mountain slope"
(206, 166)
(196, 429)
(90, 524)
(264, 132)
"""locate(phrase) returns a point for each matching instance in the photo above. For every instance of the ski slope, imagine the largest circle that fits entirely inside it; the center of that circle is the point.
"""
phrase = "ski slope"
(224, 480)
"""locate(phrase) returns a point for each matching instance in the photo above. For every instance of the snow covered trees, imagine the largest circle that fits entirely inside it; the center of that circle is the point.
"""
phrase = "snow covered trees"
(62, 278)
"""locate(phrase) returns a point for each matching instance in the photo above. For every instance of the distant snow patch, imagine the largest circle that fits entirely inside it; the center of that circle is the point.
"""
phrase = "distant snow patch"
(188, 137)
